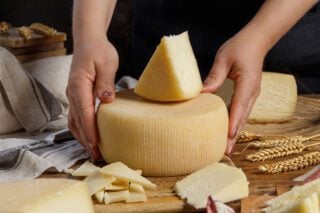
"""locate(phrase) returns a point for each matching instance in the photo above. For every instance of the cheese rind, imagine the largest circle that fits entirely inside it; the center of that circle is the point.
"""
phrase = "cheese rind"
(276, 102)
(163, 139)
(223, 183)
(172, 73)
(45, 195)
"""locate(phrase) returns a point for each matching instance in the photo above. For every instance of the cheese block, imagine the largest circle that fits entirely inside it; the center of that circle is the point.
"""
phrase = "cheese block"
(45, 195)
(86, 169)
(276, 102)
(122, 172)
(220, 181)
(296, 193)
(163, 139)
(172, 73)
(98, 181)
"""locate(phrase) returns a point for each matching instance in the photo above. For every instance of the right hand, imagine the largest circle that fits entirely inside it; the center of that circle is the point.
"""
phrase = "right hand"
(92, 75)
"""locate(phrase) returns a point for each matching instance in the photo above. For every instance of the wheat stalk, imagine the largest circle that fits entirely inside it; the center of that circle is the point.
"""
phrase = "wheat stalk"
(43, 29)
(245, 137)
(25, 32)
(277, 152)
(292, 164)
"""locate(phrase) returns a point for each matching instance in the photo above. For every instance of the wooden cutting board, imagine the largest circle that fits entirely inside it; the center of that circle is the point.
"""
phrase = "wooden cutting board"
(262, 186)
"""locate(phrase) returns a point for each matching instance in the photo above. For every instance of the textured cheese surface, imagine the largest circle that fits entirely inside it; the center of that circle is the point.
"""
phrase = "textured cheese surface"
(172, 73)
(224, 183)
(163, 139)
(45, 195)
(276, 102)
(122, 172)
(98, 181)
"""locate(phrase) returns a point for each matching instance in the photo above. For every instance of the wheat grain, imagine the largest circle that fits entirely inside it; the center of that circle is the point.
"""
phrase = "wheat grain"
(25, 32)
(245, 137)
(4, 27)
(292, 164)
(279, 142)
(43, 29)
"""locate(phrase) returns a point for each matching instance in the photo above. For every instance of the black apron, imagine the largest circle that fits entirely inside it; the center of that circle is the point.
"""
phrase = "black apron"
(211, 23)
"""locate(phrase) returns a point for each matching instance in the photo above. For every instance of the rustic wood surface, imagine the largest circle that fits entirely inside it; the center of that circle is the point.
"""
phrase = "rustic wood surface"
(37, 49)
(13, 40)
(262, 186)
(35, 56)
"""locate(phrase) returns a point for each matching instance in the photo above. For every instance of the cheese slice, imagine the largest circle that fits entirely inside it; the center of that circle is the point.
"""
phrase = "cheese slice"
(163, 139)
(117, 186)
(45, 195)
(98, 181)
(99, 196)
(136, 188)
(172, 73)
(135, 197)
(86, 169)
(123, 172)
(276, 102)
(113, 197)
(223, 183)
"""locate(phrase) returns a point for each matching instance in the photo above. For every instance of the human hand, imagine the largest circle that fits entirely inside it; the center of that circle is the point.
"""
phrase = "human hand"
(92, 75)
(239, 59)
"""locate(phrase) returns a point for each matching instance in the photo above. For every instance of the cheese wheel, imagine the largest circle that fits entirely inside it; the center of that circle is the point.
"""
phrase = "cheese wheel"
(163, 139)
(172, 74)
(45, 195)
(276, 102)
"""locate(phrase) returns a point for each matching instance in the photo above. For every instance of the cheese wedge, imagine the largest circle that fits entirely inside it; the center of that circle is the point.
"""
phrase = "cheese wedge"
(223, 183)
(172, 73)
(45, 195)
(98, 181)
(163, 139)
(276, 102)
(86, 169)
(123, 172)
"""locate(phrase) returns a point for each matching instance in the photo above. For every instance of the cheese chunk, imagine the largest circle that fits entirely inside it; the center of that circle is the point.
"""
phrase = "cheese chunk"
(99, 196)
(276, 102)
(98, 181)
(135, 197)
(117, 186)
(163, 139)
(122, 172)
(86, 169)
(172, 73)
(113, 197)
(136, 188)
(45, 195)
(221, 182)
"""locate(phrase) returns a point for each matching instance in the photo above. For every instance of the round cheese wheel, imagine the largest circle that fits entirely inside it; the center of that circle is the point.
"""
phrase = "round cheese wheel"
(163, 139)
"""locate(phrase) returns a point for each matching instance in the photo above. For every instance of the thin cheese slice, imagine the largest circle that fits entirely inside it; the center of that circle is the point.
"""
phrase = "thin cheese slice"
(172, 73)
(99, 196)
(163, 139)
(224, 183)
(86, 169)
(113, 197)
(136, 188)
(45, 195)
(123, 172)
(117, 186)
(276, 102)
(98, 181)
(135, 197)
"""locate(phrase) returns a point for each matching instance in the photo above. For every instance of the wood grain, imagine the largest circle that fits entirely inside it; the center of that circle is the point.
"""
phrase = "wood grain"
(37, 49)
(35, 56)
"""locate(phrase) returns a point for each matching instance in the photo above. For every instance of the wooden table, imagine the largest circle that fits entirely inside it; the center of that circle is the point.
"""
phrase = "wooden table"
(306, 122)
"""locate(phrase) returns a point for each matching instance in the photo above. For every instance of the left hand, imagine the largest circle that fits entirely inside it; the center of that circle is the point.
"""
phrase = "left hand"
(239, 59)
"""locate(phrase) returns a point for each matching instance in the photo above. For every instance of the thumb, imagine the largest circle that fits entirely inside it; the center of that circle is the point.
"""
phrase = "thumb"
(105, 85)
(216, 76)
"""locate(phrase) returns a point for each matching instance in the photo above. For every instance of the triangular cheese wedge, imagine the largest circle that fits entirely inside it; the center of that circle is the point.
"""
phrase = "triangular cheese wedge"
(98, 181)
(172, 73)
(86, 169)
(122, 172)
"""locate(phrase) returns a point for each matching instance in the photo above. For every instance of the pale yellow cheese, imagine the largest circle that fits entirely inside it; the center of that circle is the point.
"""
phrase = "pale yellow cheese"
(117, 186)
(86, 169)
(118, 196)
(123, 172)
(276, 102)
(223, 183)
(136, 188)
(99, 196)
(135, 197)
(45, 195)
(98, 181)
(172, 73)
(163, 139)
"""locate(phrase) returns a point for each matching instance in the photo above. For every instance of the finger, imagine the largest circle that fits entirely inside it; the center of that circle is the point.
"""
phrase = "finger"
(216, 76)
(84, 111)
(104, 86)
(72, 126)
(242, 95)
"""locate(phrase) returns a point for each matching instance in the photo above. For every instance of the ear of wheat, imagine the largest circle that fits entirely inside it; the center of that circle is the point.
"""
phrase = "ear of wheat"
(4, 27)
(43, 29)
(25, 32)
(292, 164)
(278, 152)
(245, 137)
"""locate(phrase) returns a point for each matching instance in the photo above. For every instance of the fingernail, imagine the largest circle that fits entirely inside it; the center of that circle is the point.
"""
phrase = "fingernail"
(107, 94)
